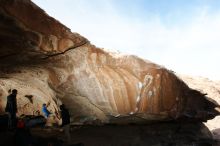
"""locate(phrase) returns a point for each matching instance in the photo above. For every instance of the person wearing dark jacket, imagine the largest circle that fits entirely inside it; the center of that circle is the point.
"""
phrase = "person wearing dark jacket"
(11, 108)
(64, 115)
(65, 122)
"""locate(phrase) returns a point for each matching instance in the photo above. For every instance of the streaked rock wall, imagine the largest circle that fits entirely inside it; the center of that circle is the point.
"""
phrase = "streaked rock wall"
(44, 60)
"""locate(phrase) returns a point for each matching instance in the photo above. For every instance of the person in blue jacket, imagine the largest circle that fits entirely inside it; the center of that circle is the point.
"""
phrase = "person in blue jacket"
(45, 110)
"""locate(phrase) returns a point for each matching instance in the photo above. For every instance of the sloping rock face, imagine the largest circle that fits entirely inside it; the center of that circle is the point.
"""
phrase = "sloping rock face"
(44, 60)
(28, 33)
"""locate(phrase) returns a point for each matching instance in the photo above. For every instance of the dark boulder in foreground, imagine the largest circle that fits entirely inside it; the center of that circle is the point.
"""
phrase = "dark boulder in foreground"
(158, 134)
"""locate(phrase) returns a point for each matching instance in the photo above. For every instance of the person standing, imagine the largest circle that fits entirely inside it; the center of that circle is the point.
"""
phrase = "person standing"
(65, 122)
(11, 108)
(45, 110)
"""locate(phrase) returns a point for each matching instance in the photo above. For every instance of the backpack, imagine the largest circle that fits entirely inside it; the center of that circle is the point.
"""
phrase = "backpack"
(20, 124)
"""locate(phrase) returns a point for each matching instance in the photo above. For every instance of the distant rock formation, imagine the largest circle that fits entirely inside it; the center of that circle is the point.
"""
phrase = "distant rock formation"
(212, 89)
(44, 60)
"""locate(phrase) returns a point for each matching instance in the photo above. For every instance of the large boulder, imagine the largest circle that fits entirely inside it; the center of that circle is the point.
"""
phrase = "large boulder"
(46, 62)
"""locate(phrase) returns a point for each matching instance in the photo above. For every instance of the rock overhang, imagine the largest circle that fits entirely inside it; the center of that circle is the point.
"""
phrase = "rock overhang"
(43, 58)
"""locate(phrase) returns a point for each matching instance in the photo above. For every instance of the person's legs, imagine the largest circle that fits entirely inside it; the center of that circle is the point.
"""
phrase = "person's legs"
(13, 120)
(10, 123)
(67, 133)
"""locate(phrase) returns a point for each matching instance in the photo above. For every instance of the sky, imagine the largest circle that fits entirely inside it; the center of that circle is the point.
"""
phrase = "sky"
(182, 35)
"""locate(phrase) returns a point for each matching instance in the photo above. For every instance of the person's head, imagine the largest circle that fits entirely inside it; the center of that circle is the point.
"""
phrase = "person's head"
(44, 104)
(9, 91)
(37, 113)
(14, 91)
(62, 106)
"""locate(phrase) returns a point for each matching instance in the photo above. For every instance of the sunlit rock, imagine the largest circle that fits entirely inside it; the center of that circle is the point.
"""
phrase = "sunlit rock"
(43, 59)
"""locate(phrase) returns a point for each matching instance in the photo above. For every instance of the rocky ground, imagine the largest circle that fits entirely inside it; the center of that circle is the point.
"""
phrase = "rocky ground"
(158, 134)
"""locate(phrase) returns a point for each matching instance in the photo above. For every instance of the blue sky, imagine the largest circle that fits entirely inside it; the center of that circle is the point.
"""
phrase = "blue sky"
(182, 35)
